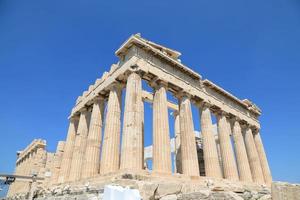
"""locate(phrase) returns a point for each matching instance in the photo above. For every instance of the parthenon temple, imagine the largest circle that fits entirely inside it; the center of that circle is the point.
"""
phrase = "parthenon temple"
(106, 126)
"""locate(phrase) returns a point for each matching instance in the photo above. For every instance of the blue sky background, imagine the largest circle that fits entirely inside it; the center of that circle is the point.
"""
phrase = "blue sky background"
(51, 51)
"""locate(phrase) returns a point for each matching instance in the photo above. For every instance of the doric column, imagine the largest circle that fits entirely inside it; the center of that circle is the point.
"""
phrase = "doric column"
(263, 158)
(68, 151)
(229, 166)
(27, 167)
(161, 133)
(241, 154)
(42, 155)
(210, 152)
(57, 162)
(92, 154)
(256, 171)
(132, 139)
(110, 158)
(177, 142)
(189, 155)
(79, 146)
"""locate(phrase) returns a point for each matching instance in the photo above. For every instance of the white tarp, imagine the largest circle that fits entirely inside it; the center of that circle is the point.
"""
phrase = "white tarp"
(112, 192)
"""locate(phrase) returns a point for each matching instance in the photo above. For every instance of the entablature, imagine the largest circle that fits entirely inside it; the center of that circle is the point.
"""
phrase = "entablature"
(35, 144)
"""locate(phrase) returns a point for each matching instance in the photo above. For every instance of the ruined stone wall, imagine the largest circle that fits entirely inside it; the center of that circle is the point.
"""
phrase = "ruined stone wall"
(285, 191)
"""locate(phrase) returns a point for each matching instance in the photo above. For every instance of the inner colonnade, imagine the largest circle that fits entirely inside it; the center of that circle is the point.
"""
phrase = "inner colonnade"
(85, 154)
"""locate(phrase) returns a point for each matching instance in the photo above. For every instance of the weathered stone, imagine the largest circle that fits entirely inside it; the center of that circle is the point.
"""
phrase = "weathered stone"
(266, 197)
(147, 190)
(285, 191)
(194, 196)
(225, 195)
(164, 189)
(169, 197)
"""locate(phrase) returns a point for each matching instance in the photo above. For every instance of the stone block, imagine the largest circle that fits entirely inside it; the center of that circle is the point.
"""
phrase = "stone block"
(285, 191)
(165, 189)
(169, 197)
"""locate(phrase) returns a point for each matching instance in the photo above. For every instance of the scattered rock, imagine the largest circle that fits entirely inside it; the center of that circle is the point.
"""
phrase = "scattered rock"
(194, 196)
(217, 189)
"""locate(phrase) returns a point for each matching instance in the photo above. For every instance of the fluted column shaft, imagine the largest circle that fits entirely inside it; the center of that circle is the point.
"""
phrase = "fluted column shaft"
(79, 146)
(132, 139)
(210, 151)
(263, 159)
(28, 165)
(256, 171)
(178, 168)
(241, 153)
(189, 155)
(161, 133)
(57, 162)
(68, 151)
(110, 159)
(92, 154)
(229, 166)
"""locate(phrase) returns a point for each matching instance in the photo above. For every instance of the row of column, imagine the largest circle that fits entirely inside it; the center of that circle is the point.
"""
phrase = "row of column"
(81, 158)
(249, 163)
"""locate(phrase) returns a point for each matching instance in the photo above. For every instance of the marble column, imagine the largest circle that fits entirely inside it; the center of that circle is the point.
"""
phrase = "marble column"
(68, 151)
(161, 133)
(256, 171)
(110, 158)
(189, 155)
(241, 154)
(132, 138)
(57, 162)
(263, 158)
(228, 160)
(92, 153)
(79, 146)
(177, 143)
(210, 151)
(27, 169)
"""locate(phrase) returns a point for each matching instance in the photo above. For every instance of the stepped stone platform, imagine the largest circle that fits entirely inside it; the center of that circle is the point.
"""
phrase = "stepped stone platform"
(154, 186)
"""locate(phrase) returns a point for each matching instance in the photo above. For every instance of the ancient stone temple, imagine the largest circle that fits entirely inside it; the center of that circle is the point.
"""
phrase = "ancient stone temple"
(105, 139)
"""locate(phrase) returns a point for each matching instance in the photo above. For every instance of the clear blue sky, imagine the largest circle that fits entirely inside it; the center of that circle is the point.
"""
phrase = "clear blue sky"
(50, 51)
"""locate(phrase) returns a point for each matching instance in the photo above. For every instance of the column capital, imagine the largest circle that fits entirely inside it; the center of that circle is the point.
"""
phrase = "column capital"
(115, 86)
(98, 99)
(84, 110)
(74, 118)
(183, 95)
(157, 83)
(203, 104)
(255, 130)
(235, 119)
(220, 113)
(244, 125)
(134, 69)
